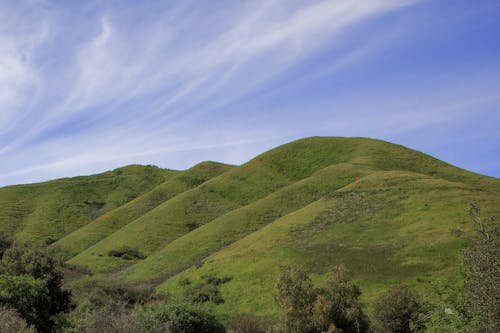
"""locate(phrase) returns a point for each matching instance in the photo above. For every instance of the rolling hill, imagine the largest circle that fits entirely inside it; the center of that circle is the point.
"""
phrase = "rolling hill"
(389, 213)
(44, 212)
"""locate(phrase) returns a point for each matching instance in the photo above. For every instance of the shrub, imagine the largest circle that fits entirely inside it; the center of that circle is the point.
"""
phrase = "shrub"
(100, 291)
(337, 306)
(203, 293)
(184, 282)
(5, 243)
(399, 311)
(11, 322)
(208, 291)
(248, 324)
(31, 268)
(179, 318)
(126, 253)
(111, 318)
(30, 299)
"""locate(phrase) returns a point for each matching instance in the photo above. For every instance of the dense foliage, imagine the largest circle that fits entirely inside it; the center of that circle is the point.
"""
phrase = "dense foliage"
(334, 307)
(180, 318)
(31, 282)
(399, 310)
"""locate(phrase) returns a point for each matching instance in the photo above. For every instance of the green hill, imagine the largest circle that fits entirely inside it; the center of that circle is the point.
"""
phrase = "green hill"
(385, 234)
(389, 213)
(106, 224)
(44, 212)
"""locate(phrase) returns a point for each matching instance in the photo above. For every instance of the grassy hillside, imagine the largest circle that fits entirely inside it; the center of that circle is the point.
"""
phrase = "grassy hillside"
(389, 213)
(387, 228)
(191, 248)
(259, 177)
(44, 212)
(106, 224)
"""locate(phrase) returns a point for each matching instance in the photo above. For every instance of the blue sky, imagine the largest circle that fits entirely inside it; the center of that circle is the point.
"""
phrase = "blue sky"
(88, 86)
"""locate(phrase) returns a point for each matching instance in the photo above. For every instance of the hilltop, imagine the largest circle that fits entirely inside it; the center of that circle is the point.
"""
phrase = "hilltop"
(389, 213)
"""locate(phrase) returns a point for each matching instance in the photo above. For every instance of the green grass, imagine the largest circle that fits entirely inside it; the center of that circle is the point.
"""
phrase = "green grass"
(384, 234)
(389, 213)
(82, 238)
(238, 187)
(228, 228)
(44, 212)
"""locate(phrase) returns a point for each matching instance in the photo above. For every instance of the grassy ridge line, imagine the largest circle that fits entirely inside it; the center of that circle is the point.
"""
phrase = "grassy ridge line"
(389, 227)
(46, 211)
(106, 224)
(156, 228)
(261, 176)
(201, 242)
(226, 229)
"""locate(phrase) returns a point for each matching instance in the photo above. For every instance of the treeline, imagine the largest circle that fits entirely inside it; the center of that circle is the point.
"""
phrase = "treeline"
(33, 299)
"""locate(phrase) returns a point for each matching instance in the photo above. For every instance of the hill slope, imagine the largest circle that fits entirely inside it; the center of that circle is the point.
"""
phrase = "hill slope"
(387, 228)
(267, 173)
(106, 224)
(389, 213)
(44, 212)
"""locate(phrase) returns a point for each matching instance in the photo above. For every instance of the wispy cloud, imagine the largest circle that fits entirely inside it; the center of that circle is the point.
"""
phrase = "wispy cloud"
(96, 84)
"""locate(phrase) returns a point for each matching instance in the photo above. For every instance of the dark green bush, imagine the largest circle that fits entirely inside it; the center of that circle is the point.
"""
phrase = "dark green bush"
(334, 307)
(5, 243)
(34, 271)
(29, 297)
(179, 318)
(208, 291)
(204, 293)
(399, 311)
(126, 253)
(184, 282)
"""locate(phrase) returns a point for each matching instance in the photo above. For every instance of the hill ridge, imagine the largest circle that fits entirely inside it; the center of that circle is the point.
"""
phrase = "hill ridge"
(390, 213)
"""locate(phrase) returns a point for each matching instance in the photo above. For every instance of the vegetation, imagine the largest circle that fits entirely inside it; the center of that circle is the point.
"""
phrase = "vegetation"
(31, 283)
(483, 273)
(5, 243)
(110, 222)
(333, 308)
(399, 310)
(249, 324)
(126, 253)
(11, 322)
(180, 318)
(48, 211)
(139, 236)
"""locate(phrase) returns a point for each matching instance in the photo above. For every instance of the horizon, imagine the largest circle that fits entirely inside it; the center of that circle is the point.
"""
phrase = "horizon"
(234, 165)
(90, 87)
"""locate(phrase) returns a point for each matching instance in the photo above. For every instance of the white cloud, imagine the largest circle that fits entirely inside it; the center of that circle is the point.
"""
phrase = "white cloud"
(171, 68)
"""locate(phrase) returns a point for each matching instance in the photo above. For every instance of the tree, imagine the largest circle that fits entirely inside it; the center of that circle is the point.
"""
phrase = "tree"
(29, 297)
(482, 270)
(399, 311)
(295, 295)
(34, 262)
(335, 307)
